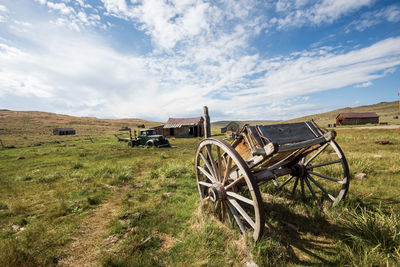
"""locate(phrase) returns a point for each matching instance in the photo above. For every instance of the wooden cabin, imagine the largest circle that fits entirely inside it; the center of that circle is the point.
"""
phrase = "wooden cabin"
(184, 127)
(234, 127)
(357, 118)
(64, 131)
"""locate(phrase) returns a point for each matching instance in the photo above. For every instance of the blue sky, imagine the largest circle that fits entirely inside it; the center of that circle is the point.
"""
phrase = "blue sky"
(259, 60)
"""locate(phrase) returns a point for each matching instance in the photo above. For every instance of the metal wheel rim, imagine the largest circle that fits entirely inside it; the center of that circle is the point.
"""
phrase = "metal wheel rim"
(259, 220)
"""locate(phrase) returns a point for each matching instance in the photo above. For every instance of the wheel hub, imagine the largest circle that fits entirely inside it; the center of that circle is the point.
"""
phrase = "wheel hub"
(301, 170)
(216, 192)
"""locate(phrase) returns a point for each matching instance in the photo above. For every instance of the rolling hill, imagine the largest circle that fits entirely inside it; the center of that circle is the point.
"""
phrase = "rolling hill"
(386, 111)
(34, 127)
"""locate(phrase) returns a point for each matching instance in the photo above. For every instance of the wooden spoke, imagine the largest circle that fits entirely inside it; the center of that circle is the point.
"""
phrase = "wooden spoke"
(223, 210)
(237, 218)
(216, 204)
(326, 177)
(310, 188)
(242, 212)
(207, 198)
(209, 176)
(219, 162)
(234, 182)
(322, 189)
(295, 185)
(323, 164)
(210, 156)
(206, 162)
(204, 184)
(227, 170)
(284, 183)
(239, 197)
(317, 153)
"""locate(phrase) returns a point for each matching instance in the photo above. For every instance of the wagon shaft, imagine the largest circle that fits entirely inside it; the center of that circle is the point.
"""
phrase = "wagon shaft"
(296, 157)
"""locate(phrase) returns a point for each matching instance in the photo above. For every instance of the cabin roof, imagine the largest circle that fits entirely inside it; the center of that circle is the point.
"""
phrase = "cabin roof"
(179, 122)
(358, 115)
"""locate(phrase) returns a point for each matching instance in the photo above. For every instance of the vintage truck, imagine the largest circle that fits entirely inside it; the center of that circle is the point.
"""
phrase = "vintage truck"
(147, 137)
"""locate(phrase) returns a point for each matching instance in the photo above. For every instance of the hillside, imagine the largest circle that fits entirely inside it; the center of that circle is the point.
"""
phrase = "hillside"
(21, 128)
(386, 111)
(33, 127)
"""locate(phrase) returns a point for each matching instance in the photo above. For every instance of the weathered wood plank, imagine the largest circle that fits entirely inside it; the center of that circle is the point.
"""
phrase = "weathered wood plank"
(287, 133)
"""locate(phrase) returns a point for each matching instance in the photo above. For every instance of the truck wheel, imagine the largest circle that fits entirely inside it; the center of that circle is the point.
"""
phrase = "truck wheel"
(149, 144)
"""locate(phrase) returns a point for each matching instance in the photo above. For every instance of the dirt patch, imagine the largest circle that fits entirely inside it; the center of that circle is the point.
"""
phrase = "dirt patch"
(85, 248)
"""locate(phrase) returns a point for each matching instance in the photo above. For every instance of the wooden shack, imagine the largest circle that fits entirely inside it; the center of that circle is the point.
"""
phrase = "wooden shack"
(64, 131)
(234, 127)
(159, 129)
(184, 127)
(357, 118)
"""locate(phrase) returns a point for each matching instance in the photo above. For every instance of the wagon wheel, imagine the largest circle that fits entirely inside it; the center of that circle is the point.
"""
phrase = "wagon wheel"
(324, 173)
(225, 179)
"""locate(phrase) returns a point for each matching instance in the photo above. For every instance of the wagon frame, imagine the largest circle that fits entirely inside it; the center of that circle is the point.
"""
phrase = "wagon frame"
(296, 157)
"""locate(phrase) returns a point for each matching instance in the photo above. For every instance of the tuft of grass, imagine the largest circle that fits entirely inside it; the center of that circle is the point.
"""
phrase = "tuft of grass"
(364, 228)
(77, 165)
(269, 251)
(52, 177)
(177, 170)
(360, 164)
(3, 206)
(153, 174)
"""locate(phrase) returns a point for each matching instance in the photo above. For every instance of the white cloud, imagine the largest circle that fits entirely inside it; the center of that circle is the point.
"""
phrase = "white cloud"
(362, 85)
(202, 56)
(172, 22)
(323, 11)
(368, 19)
(3, 8)
(65, 10)
(88, 77)
(3, 13)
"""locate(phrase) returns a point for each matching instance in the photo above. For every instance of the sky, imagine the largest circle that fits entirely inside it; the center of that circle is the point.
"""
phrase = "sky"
(154, 59)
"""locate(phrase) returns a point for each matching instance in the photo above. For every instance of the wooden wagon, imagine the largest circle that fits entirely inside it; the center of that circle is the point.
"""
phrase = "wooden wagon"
(300, 159)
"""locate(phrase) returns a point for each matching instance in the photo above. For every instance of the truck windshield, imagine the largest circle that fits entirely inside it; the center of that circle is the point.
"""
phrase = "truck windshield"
(151, 132)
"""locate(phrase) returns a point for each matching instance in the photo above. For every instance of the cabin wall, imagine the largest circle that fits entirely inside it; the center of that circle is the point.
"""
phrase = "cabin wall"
(185, 131)
(356, 121)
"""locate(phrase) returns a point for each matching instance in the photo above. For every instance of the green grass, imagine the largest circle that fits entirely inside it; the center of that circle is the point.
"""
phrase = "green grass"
(48, 191)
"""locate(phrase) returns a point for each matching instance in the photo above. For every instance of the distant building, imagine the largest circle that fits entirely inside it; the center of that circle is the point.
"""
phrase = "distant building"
(232, 126)
(357, 118)
(64, 131)
(184, 127)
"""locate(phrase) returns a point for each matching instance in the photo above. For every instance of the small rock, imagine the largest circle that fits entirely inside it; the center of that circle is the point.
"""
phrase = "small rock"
(167, 194)
(383, 142)
(136, 215)
(251, 264)
(21, 157)
(378, 156)
(139, 185)
(15, 227)
(112, 239)
(360, 175)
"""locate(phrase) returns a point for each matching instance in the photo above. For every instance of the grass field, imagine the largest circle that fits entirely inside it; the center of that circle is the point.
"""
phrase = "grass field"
(75, 201)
